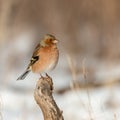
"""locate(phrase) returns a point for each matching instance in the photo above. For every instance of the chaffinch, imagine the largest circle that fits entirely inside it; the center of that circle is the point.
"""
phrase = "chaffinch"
(44, 58)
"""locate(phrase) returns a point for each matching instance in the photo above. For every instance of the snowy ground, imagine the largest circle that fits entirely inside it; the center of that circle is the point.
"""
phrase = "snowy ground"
(103, 104)
(17, 101)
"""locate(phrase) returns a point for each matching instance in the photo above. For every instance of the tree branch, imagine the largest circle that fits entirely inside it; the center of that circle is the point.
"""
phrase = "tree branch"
(45, 100)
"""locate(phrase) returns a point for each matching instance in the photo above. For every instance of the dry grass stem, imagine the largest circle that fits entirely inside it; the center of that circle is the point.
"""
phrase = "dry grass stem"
(71, 63)
(88, 93)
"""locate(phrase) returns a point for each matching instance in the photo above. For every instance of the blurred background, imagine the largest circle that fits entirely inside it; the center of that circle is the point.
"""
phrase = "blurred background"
(87, 76)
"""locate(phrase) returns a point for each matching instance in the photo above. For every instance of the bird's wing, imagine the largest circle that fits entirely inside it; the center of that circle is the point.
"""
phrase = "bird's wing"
(36, 50)
(35, 57)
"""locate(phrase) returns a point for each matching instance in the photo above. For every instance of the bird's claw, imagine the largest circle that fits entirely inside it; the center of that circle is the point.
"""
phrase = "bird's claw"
(47, 75)
(41, 76)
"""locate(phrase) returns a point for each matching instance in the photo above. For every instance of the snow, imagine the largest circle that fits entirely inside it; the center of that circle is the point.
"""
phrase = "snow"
(75, 104)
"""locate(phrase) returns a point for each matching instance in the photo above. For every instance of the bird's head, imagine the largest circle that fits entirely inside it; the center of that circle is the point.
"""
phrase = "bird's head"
(49, 40)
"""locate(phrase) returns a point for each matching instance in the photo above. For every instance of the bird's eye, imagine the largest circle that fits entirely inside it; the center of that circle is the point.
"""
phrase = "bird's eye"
(51, 40)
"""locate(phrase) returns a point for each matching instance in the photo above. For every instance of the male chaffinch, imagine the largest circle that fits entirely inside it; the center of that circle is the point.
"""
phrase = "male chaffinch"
(44, 58)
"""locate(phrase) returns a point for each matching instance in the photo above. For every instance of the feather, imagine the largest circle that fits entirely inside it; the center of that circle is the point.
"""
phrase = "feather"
(23, 75)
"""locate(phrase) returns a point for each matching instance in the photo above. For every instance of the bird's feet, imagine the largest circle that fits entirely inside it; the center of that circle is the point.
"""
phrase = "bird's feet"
(47, 75)
(41, 75)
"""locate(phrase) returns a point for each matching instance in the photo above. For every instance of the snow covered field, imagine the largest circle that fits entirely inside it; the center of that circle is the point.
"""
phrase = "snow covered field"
(17, 100)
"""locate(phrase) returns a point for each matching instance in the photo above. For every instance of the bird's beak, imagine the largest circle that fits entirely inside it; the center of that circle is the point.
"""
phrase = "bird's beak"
(55, 41)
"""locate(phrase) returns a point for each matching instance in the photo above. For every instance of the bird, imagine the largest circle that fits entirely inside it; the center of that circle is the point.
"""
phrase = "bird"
(44, 58)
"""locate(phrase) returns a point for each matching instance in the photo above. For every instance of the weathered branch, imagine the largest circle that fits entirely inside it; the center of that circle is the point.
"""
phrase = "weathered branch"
(44, 98)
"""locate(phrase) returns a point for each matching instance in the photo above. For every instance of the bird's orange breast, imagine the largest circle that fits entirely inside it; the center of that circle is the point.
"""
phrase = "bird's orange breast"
(48, 57)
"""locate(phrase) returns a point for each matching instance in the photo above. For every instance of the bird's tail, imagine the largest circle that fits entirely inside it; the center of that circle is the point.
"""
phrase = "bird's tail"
(24, 75)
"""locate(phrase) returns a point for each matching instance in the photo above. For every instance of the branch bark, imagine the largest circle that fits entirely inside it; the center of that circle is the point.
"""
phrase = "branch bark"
(43, 96)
